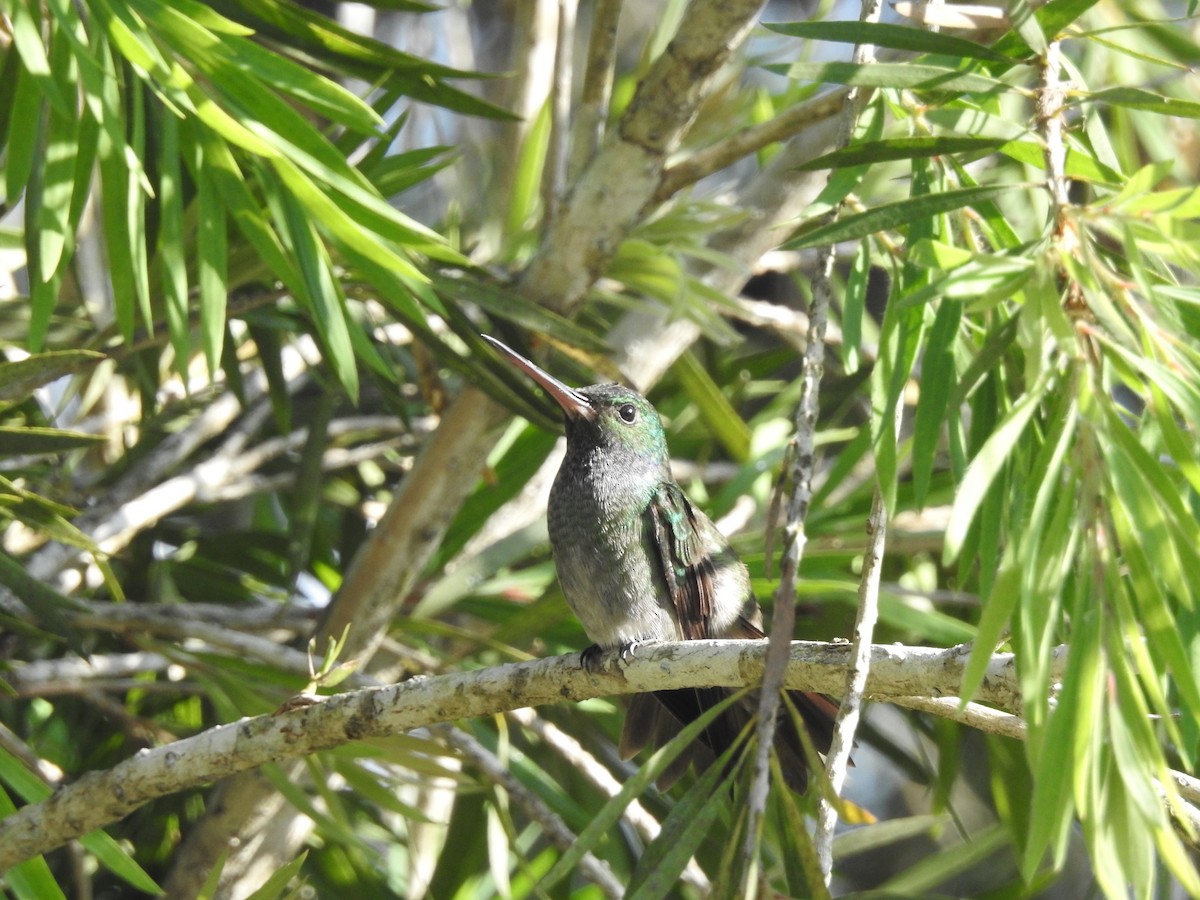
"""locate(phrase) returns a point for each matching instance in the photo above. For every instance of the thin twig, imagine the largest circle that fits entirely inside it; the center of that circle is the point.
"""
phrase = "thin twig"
(850, 712)
(1050, 103)
(531, 60)
(838, 761)
(802, 453)
(284, 622)
(554, 178)
(975, 715)
(720, 156)
(588, 128)
(72, 674)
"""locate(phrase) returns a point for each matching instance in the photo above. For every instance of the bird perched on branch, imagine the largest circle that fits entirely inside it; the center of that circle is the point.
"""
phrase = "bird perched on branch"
(638, 562)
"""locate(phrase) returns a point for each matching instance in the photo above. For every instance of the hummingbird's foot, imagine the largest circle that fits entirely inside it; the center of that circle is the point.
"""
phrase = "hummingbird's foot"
(625, 652)
(590, 657)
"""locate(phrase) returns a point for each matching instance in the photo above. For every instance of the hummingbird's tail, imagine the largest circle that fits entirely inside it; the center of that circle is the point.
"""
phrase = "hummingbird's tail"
(653, 719)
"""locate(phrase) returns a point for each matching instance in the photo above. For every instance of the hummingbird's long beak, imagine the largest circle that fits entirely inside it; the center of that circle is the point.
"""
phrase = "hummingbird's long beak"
(573, 403)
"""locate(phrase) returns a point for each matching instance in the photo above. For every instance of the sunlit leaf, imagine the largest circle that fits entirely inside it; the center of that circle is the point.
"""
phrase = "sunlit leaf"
(893, 215)
(882, 34)
(911, 76)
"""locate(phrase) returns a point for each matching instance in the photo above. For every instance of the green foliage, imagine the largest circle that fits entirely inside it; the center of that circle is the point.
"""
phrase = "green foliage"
(242, 325)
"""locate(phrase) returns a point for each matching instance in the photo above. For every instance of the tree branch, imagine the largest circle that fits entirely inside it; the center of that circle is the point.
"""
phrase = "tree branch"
(622, 181)
(101, 797)
(787, 124)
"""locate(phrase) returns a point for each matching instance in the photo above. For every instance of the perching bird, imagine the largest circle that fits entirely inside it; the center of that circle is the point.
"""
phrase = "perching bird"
(638, 562)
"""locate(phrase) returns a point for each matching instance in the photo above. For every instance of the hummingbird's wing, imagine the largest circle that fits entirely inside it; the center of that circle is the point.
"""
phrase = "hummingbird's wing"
(685, 551)
(692, 552)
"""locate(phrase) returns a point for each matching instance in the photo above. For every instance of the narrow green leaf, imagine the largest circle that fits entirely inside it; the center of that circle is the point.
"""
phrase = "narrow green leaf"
(895, 215)
(1137, 755)
(1079, 165)
(22, 141)
(853, 307)
(901, 76)
(16, 439)
(346, 229)
(1154, 611)
(223, 123)
(114, 187)
(1156, 507)
(988, 462)
(43, 284)
(802, 866)
(321, 293)
(171, 257)
(921, 878)
(27, 785)
(332, 41)
(19, 378)
(1148, 101)
(938, 379)
(32, 880)
(1056, 15)
(866, 838)
(276, 885)
(1002, 600)
(27, 39)
(524, 194)
(117, 860)
(716, 411)
(399, 172)
(893, 149)
(882, 34)
(502, 302)
(196, 26)
(1025, 24)
(995, 345)
(1183, 453)
(600, 826)
(1066, 753)
(683, 831)
(1182, 203)
(10, 77)
(227, 177)
(211, 261)
(50, 608)
(135, 209)
(57, 164)
(130, 37)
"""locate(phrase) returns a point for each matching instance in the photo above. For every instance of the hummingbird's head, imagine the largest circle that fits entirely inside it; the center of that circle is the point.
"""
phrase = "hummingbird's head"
(619, 419)
(606, 416)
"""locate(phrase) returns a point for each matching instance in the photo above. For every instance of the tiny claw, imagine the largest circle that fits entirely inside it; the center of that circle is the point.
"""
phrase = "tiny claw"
(628, 651)
(590, 657)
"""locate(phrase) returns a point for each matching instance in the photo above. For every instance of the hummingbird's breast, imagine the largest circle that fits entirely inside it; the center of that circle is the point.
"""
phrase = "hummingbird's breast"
(602, 538)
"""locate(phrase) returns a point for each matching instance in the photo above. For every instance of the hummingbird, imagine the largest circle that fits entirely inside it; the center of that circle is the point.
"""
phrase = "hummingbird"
(639, 562)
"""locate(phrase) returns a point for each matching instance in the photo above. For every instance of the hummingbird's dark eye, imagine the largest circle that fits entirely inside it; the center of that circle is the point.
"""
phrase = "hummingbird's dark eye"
(628, 413)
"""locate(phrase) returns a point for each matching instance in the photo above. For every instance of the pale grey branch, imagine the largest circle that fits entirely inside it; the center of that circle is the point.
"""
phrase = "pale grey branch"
(105, 796)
